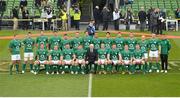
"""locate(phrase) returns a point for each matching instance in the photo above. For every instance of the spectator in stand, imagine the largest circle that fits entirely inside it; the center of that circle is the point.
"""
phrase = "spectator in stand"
(122, 4)
(37, 3)
(111, 5)
(116, 17)
(97, 17)
(23, 3)
(64, 19)
(2, 6)
(142, 18)
(149, 18)
(106, 18)
(25, 15)
(77, 18)
(49, 16)
(160, 21)
(43, 3)
(60, 3)
(128, 18)
(71, 12)
(177, 13)
(15, 12)
(154, 21)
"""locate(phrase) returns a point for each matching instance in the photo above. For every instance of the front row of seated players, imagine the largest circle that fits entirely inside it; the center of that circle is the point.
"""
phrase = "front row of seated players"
(74, 61)
(114, 55)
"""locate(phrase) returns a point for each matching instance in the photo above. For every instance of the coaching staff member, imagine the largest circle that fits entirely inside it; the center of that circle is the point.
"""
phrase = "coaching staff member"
(165, 47)
(91, 58)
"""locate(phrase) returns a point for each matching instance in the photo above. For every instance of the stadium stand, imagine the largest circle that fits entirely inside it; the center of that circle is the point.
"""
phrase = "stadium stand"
(169, 5)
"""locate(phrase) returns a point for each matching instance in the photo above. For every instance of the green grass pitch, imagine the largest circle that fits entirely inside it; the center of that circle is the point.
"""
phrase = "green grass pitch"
(111, 85)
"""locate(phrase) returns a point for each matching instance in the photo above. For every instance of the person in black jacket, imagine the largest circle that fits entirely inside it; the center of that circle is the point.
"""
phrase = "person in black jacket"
(97, 17)
(128, 18)
(15, 12)
(25, 15)
(106, 18)
(142, 18)
(23, 3)
(91, 58)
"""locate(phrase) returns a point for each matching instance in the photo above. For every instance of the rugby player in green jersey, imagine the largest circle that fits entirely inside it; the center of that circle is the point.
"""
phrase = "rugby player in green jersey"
(113, 59)
(65, 41)
(154, 45)
(68, 59)
(96, 41)
(138, 58)
(107, 41)
(87, 41)
(144, 45)
(42, 40)
(54, 60)
(76, 41)
(29, 44)
(120, 42)
(126, 60)
(41, 59)
(80, 60)
(131, 42)
(14, 48)
(55, 40)
(102, 59)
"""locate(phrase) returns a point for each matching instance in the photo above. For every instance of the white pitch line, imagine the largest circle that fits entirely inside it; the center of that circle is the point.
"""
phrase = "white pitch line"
(90, 86)
(173, 64)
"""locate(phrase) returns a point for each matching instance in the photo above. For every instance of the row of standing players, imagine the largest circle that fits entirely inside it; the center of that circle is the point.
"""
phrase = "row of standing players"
(70, 55)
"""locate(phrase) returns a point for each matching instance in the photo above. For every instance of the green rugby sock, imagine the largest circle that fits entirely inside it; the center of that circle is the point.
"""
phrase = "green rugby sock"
(158, 66)
(17, 68)
(47, 68)
(23, 67)
(10, 69)
(31, 67)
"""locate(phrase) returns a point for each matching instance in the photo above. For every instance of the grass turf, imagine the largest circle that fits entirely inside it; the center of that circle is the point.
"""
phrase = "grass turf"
(138, 85)
(42, 85)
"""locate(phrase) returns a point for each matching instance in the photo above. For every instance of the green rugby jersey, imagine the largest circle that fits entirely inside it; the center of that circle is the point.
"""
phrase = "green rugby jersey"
(15, 46)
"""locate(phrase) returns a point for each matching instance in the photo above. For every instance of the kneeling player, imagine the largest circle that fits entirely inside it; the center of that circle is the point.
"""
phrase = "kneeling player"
(67, 58)
(54, 60)
(114, 59)
(41, 59)
(102, 59)
(80, 61)
(138, 58)
(126, 59)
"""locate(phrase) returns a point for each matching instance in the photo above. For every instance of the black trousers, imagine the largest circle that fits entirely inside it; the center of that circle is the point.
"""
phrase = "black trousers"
(90, 67)
(159, 28)
(116, 24)
(72, 22)
(25, 25)
(76, 23)
(105, 25)
(49, 23)
(97, 23)
(164, 61)
(154, 28)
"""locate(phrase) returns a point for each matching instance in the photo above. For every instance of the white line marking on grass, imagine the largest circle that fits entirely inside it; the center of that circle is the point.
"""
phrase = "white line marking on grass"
(169, 67)
(90, 86)
(173, 63)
